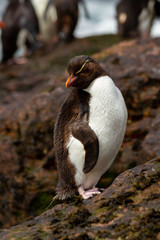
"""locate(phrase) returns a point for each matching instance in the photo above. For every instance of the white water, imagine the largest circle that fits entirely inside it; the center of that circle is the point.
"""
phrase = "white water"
(102, 19)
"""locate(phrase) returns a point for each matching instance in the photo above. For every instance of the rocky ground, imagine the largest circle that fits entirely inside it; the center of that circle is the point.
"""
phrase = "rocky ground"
(128, 209)
(30, 97)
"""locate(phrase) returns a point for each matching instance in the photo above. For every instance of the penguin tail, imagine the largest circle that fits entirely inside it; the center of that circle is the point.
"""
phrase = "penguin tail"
(55, 198)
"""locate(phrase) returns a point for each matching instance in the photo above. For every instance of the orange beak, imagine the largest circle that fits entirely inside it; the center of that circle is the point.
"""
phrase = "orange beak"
(70, 81)
(2, 25)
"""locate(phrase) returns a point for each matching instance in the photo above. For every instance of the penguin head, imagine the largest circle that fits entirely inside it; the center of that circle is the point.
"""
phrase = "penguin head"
(82, 71)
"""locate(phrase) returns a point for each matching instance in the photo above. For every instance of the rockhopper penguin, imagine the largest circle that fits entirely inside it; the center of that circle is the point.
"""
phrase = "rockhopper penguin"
(89, 129)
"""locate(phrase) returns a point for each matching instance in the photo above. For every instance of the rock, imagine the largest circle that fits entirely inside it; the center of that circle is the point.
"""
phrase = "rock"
(128, 209)
(152, 139)
(30, 127)
(9, 163)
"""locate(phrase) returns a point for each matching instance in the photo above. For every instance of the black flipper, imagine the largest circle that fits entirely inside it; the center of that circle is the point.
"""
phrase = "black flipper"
(88, 138)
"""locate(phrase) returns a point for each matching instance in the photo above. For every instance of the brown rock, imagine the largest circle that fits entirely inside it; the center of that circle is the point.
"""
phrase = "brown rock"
(9, 163)
(128, 209)
(151, 142)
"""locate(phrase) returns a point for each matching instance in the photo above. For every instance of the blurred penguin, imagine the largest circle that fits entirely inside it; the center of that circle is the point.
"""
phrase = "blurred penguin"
(135, 17)
(20, 29)
(47, 24)
(157, 8)
(67, 17)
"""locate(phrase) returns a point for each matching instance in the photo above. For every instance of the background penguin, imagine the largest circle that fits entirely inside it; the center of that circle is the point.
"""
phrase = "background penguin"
(89, 129)
(67, 17)
(135, 17)
(19, 15)
(157, 8)
(47, 19)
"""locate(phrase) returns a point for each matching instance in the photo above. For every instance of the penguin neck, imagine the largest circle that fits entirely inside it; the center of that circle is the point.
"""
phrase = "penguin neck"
(100, 85)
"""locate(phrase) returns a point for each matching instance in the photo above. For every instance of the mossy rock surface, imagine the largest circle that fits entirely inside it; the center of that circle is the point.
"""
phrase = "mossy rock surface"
(122, 211)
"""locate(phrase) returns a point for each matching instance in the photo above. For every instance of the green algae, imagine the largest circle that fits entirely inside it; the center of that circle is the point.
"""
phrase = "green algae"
(122, 199)
(142, 182)
(79, 218)
(40, 203)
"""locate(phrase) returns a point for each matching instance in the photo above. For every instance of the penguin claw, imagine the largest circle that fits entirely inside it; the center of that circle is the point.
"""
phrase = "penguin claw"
(92, 189)
(88, 193)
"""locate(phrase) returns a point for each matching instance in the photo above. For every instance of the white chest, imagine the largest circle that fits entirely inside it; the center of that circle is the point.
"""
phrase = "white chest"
(107, 118)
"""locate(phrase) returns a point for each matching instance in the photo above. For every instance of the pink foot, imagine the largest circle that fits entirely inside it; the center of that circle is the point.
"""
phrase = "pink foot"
(92, 189)
(88, 193)
(20, 61)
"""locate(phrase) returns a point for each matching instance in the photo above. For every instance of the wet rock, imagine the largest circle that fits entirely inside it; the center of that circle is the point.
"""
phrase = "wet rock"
(128, 209)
